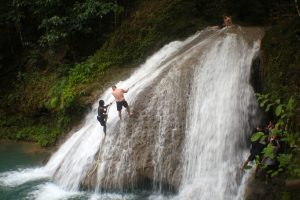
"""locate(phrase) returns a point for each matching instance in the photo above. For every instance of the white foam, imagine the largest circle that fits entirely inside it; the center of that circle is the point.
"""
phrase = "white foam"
(16, 178)
(113, 196)
(50, 191)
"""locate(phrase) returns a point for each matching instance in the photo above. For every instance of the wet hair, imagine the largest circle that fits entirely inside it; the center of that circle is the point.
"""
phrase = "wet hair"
(101, 103)
(274, 142)
(114, 86)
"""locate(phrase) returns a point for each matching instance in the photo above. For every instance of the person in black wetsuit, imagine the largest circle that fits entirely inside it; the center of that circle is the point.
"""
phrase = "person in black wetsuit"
(102, 114)
(256, 147)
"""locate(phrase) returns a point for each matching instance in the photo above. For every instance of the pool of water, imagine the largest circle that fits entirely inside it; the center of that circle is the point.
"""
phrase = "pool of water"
(21, 177)
(16, 155)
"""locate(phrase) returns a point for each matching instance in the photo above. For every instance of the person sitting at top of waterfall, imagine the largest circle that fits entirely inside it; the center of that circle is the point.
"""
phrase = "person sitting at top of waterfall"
(227, 20)
(120, 100)
(102, 114)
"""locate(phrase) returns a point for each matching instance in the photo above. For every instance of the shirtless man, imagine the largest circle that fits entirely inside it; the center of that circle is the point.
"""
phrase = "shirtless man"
(119, 96)
(227, 20)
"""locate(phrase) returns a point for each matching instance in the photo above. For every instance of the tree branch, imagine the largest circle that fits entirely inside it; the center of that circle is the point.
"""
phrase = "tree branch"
(292, 184)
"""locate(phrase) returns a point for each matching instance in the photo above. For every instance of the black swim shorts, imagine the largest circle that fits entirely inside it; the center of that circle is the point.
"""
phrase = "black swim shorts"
(120, 104)
(101, 120)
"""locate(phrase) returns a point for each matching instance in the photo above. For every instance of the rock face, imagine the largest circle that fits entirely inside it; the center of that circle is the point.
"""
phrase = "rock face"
(151, 139)
(147, 148)
(184, 100)
(261, 190)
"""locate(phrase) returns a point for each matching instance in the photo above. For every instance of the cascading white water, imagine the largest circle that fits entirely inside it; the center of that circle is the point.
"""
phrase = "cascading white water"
(221, 104)
(192, 106)
(70, 164)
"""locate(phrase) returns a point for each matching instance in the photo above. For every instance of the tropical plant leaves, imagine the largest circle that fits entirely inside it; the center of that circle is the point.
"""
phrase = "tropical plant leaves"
(256, 136)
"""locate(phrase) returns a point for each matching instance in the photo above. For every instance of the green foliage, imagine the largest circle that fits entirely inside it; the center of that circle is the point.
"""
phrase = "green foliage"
(43, 135)
(269, 151)
(59, 24)
(51, 89)
(53, 102)
(90, 9)
(65, 93)
(68, 97)
(78, 17)
(242, 11)
(248, 167)
(281, 71)
(56, 31)
(47, 91)
(258, 136)
(284, 113)
(284, 160)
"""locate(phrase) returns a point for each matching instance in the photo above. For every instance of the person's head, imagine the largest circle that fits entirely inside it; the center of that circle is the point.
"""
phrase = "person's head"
(258, 128)
(227, 20)
(271, 125)
(114, 87)
(275, 136)
(274, 142)
(225, 16)
(101, 103)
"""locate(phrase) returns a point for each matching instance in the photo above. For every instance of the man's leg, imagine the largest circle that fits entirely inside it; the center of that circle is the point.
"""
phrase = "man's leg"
(128, 111)
(104, 129)
(119, 109)
(103, 123)
(244, 164)
(120, 114)
(125, 104)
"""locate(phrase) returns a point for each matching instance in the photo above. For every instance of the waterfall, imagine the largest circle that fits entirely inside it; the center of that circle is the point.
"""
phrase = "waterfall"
(193, 110)
(221, 110)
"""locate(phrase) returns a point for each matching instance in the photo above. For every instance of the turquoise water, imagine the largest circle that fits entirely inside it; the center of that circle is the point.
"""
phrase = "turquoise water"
(21, 155)
(21, 161)
(15, 156)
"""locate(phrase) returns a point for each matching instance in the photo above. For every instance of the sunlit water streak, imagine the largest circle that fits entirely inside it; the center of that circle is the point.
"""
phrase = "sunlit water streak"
(218, 118)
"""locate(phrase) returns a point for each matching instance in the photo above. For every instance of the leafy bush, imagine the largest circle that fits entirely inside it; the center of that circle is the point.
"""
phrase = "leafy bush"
(281, 71)
(284, 112)
(43, 135)
(54, 91)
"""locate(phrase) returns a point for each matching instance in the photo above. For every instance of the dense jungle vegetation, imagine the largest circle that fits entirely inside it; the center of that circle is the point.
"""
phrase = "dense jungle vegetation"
(57, 56)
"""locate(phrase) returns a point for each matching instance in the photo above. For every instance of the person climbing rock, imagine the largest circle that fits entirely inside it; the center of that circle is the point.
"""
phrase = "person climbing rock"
(269, 163)
(257, 147)
(102, 114)
(120, 100)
